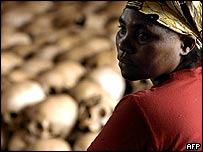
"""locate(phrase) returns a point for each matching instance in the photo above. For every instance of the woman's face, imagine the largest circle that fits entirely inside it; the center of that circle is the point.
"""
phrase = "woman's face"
(145, 49)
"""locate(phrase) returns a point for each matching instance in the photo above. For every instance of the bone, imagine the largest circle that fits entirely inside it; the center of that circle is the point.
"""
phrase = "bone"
(59, 72)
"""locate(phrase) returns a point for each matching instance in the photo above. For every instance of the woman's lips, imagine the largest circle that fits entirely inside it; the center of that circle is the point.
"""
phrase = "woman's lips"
(124, 61)
(121, 64)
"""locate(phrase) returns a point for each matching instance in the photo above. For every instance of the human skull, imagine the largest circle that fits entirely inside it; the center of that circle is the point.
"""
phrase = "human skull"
(19, 75)
(85, 89)
(18, 96)
(111, 81)
(52, 144)
(67, 9)
(20, 139)
(55, 116)
(39, 7)
(44, 21)
(83, 142)
(98, 44)
(104, 58)
(63, 76)
(111, 27)
(26, 51)
(96, 21)
(17, 17)
(6, 64)
(95, 111)
(15, 38)
(52, 37)
(71, 72)
(5, 83)
(93, 6)
(34, 66)
(7, 29)
(48, 52)
(87, 49)
(77, 54)
(115, 9)
(69, 41)
(51, 81)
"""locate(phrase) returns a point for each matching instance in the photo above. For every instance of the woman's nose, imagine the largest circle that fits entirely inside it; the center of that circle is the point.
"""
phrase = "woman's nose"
(125, 45)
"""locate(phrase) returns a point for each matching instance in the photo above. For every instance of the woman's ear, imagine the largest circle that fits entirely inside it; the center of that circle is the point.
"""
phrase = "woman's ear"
(188, 44)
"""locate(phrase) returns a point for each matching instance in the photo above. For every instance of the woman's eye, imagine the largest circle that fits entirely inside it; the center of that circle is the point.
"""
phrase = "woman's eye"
(122, 30)
(142, 37)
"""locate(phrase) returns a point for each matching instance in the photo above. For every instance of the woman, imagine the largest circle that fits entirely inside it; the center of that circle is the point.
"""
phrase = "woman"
(160, 41)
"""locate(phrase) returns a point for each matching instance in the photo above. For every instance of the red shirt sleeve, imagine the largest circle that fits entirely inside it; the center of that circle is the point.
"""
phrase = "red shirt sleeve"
(166, 117)
(127, 129)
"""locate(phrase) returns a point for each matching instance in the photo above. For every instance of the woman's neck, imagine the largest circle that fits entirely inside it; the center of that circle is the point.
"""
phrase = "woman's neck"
(160, 79)
(184, 64)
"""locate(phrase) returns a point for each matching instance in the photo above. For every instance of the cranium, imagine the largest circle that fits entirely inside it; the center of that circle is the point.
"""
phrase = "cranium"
(82, 143)
(18, 16)
(77, 54)
(68, 42)
(88, 48)
(51, 37)
(96, 21)
(20, 140)
(93, 6)
(8, 5)
(115, 8)
(98, 44)
(55, 116)
(66, 9)
(14, 39)
(52, 144)
(7, 29)
(6, 64)
(48, 52)
(85, 89)
(19, 75)
(111, 81)
(41, 22)
(34, 66)
(26, 51)
(5, 83)
(63, 76)
(95, 111)
(104, 58)
(51, 81)
(39, 7)
(111, 27)
(18, 96)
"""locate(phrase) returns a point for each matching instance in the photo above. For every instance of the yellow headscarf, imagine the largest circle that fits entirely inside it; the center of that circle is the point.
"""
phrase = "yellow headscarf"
(184, 17)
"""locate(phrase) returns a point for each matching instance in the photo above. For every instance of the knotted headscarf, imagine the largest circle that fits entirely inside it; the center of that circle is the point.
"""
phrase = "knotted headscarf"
(184, 17)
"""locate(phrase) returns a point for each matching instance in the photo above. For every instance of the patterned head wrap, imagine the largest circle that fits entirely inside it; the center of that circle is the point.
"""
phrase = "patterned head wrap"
(184, 17)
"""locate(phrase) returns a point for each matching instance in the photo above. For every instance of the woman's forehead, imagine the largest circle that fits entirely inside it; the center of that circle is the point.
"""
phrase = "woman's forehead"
(133, 17)
(137, 20)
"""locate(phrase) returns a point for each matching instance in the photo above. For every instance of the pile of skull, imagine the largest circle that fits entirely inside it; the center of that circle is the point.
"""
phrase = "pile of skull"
(60, 79)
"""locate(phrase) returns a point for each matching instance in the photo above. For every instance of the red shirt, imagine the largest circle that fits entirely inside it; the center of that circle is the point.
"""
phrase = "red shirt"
(166, 117)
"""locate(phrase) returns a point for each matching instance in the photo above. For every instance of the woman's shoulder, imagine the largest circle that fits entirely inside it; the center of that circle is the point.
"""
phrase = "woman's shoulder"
(134, 98)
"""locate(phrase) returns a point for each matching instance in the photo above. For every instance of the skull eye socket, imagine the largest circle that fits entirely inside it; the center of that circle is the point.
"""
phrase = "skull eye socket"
(39, 126)
(13, 115)
(102, 112)
(52, 90)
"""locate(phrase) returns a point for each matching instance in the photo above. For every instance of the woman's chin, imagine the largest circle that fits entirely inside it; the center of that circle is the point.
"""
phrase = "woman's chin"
(133, 76)
(128, 76)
